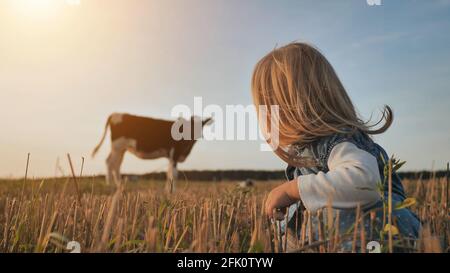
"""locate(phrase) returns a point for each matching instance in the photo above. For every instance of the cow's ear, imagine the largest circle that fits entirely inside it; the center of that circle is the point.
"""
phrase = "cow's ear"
(207, 121)
(195, 119)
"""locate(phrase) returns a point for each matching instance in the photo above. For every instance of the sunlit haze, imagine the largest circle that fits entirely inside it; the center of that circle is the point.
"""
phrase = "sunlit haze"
(66, 65)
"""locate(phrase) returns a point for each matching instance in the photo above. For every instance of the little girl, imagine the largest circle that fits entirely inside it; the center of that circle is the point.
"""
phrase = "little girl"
(332, 160)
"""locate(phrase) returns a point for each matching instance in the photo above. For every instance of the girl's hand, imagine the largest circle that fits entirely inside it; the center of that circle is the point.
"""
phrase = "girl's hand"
(282, 196)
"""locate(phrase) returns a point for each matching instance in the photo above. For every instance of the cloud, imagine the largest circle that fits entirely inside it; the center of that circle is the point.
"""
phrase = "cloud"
(443, 2)
(379, 39)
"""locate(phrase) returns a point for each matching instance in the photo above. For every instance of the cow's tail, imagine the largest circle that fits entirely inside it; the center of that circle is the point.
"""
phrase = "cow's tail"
(103, 137)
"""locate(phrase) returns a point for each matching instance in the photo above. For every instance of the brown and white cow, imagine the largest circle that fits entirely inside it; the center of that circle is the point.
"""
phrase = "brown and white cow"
(149, 138)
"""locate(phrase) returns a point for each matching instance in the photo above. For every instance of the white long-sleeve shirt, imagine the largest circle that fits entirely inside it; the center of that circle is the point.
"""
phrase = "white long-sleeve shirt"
(352, 172)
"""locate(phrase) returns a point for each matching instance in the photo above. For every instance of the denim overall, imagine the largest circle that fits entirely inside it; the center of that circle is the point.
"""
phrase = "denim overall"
(406, 221)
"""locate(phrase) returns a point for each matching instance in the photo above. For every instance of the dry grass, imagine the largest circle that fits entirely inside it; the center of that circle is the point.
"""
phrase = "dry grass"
(200, 217)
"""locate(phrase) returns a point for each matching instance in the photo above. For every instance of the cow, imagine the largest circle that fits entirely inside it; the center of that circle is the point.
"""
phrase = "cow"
(149, 138)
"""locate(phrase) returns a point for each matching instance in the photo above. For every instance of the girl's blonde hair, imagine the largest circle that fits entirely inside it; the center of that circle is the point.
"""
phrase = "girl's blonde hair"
(312, 101)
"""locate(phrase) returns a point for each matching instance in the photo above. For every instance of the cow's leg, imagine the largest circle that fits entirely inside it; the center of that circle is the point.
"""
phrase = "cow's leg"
(172, 173)
(172, 176)
(113, 163)
(116, 167)
(114, 160)
(110, 166)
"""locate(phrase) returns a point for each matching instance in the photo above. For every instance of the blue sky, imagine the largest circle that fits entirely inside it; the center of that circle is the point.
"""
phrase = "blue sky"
(63, 73)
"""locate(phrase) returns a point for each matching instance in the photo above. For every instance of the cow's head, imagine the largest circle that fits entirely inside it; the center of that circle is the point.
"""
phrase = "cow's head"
(195, 127)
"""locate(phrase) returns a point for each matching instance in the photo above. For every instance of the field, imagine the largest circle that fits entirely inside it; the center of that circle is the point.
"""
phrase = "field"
(138, 216)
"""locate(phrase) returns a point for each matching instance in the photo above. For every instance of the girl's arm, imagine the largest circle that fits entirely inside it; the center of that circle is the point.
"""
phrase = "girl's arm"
(351, 180)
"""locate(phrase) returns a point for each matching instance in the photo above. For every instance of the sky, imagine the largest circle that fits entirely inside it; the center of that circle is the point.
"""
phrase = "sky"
(66, 65)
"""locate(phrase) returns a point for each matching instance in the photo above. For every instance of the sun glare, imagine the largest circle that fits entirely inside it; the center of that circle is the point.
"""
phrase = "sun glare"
(36, 8)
